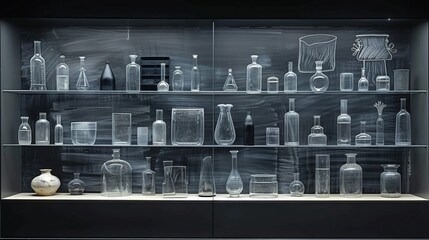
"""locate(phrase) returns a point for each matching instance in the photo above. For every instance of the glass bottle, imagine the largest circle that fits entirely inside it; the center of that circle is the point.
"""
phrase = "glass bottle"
(148, 179)
(225, 131)
(230, 85)
(363, 138)
(62, 75)
(178, 79)
(163, 85)
(116, 177)
(159, 129)
(168, 183)
(107, 78)
(296, 187)
(363, 84)
(249, 130)
(351, 177)
(76, 186)
(290, 79)
(390, 181)
(319, 82)
(254, 76)
(317, 136)
(403, 125)
(195, 74)
(379, 133)
(59, 130)
(323, 175)
(82, 81)
(291, 125)
(42, 129)
(207, 186)
(234, 184)
(132, 75)
(37, 69)
(24, 132)
(344, 125)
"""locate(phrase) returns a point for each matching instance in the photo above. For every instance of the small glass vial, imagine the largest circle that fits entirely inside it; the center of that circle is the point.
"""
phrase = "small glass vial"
(162, 85)
(230, 84)
(296, 187)
(390, 181)
(403, 125)
(363, 138)
(178, 79)
(148, 179)
(254, 76)
(363, 84)
(59, 130)
(382, 83)
(290, 80)
(351, 177)
(344, 125)
(159, 129)
(323, 175)
(82, 82)
(24, 132)
(76, 186)
(319, 82)
(317, 136)
(291, 127)
(272, 85)
(42, 130)
(346, 81)
(195, 74)
(62, 75)
(132, 75)
(273, 136)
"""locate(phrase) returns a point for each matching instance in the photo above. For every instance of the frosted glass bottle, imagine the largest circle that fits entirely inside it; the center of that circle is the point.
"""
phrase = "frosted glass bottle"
(254, 76)
(290, 80)
(82, 81)
(319, 82)
(344, 125)
(132, 75)
(230, 85)
(351, 177)
(59, 130)
(178, 79)
(234, 184)
(24, 132)
(42, 130)
(37, 69)
(403, 125)
(317, 137)
(62, 75)
(296, 187)
(291, 125)
(363, 84)
(195, 74)
(159, 129)
(379, 132)
(363, 138)
(163, 85)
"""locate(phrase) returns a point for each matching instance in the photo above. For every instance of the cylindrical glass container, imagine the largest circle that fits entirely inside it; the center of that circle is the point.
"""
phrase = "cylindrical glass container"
(273, 136)
(323, 175)
(346, 81)
(401, 79)
(382, 83)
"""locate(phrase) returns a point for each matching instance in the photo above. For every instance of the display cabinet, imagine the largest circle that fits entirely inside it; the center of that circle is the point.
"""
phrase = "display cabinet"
(344, 45)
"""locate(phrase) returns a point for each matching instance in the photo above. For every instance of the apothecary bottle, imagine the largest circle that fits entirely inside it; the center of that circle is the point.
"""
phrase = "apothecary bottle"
(390, 181)
(82, 81)
(317, 136)
(344, 125)
(159, 129)
(230, 85)
(234, 184)
(379, 131)
(76, 186)
(163, 85)
(254, 76)
(178, 79)
(116, 177)
(62, 74)
(207, 186)
(59, 130)
(148, 178)
(363, 84)
(195, 74)
(225, 131)
(290, 80)
(363, 138)
(24, 132)
(37, 69)
(132, 75)
(351, 177)
(296, 187)
(319, 82)
(291, 125)
(42, 129)
(403, 125)
(249, 130)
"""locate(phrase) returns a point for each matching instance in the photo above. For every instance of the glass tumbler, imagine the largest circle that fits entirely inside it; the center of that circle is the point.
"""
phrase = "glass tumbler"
(121, 128)
(273, 136)
(142, 136)
(346, 82)
(401, 79)
(323, 174)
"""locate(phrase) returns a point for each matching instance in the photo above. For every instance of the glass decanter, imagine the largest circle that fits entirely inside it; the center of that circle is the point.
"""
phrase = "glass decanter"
(390, 181)
(24, 132)
(403, 125)
(254, 76)
(290, 79)
(148, 179)
(59, 130)
(344, 125)
(132, 75)
(195, 74)
(225, 131)
(168, 188)
(234, 184)
(43, 129)
(363, 84)
(159, 129)
(116, 177)
(207, 186)
(291, 125)
(76, 186)
(178, 79)
(37, 69)
(317, 137)
(351, 177)
(296, 187)
(249, 130)
(162, 85)
(379, 133)
(82, 81)
(319, 82)
(363, 138)
(62, 75)
(230, 85)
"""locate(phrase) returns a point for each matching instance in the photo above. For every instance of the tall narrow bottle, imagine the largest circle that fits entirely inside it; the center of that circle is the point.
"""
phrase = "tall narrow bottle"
(379, 132)
(148, 179)
(317, 137)
(62, 75)
(344, 125)
(254, 76)
(403, 125)
(323, 175)
(132, 75)
(58, 132)
(37, 69)
(363, 84)
(195, 74)
(159, 129)
(178, 79)
(24, 132)
(234, 184)
(43, 130)
(82, 81)
(319, 82)
(207, 186)
(291, 125)
(107, 78)
(290, 79)
(163, 85)
(351, 177)
(249, 130)
(230, 85)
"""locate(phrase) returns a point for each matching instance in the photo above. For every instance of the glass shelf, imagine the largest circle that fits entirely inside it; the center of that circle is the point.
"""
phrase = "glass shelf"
(214, 146)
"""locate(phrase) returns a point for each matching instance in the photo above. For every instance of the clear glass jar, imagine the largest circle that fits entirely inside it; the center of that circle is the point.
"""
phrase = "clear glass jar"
(37, 69)
(403, 125)
(76, 186)
(382, 83)
(317, 137)
(195, 74)
(363, 138)
(254, 76)
(178, 79)
(291, 125)
(230, 84)
(290, 80)
(344, 125)
(296, 187)
(62, 75)
(116, 177)
(163, 85)
(272, 85)
(346, 81)
(351, 177)
(43, 130)
(363, 84)
(24, 132)
(263, 186)
(234, 184)
(159, 129)
(132, 75)
(319, 82)
(225, 131)
(82, 82)
(59, 130)
(390, 181)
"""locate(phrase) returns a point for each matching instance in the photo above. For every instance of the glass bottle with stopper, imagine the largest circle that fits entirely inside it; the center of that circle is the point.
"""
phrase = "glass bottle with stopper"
(254, 76)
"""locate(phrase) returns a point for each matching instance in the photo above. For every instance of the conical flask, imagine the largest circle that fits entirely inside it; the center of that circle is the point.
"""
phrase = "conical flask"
(207, 187)
(230, 85)
(225, 131)
(82, 81)
(107, 78)
(234, 184)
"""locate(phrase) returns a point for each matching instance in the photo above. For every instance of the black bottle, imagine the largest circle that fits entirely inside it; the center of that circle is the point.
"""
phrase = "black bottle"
(107, 78)
(249, 130)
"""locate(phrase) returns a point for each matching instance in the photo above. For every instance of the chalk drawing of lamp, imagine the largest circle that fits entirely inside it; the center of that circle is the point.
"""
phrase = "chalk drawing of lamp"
(317, 47)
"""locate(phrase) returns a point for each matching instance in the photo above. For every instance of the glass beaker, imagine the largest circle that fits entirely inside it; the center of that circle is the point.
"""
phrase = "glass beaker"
(37, 69)
(346, 81)
(225, 131)
(207, 186)
(234, 184)
(263, 186)
(390, 181)
(272, 136)
(142, 136)
(24, 132)
(323, 175)
(401, 79)
(121, 128)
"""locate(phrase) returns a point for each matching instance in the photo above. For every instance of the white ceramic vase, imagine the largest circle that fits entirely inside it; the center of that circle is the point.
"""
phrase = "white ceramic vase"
(45, 184)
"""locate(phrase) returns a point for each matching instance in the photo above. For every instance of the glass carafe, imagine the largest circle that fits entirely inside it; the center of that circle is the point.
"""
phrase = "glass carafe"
(234, 184)
(344, 125)
(62, 75)
(37, 69)
(296, 187)
(168, 183)
(116, 177)
(82, 81)
(290, 80)
(379, 129)
(323, 175)
(132, 75)
(317, 137)
(76, 186)
(59, 130)
(291, 125)
(390, 181)
(363, 84)
(225, 131)
(207, 186)
(24, 132)
(319, 82)
(178, 79)
(43, 130)
(403, 125)
(363, 138)
(159, 129)
(162, 85)
(148, 179)
(351, 177)
(254, 76)
(249, 130)
(195, 74)
(230, 85)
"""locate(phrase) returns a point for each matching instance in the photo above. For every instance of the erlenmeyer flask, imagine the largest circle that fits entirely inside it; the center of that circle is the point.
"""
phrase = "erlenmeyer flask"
(230, 85)
(207, 186)
(82, 81)
(225, 131)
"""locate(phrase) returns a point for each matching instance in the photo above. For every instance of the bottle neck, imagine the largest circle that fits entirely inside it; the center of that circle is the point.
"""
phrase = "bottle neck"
(24, 120)
(148, 159)
(116, 154)
(234, 160)
(351, 159)
(296, 176)
(133, 58)
(362, 127)
(163, 72)
(290, 66)
(37, 48)
(159, 114)
(343, 106)
(42, 115)
(316, 120)
(403, 104)
(59, 119)
(62, 59)
(254, 58)
(82, 62)
(195, 61)
(76, 175)
(363, 73)
(292, 104)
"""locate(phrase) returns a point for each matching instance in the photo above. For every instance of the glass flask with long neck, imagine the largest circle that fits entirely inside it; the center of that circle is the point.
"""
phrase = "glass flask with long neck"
(317, 136)
(43, 130)
(363, 84)
(254, 76)
(351, 177)
(363, 138)
(132, 75)
(390, 181)
(225, 131)
(403, 125)
(62, 74)
(296, 187)
(234, 184)
(379, 129)
(291, 125)
(148, 179)
(195, 74)
(116, 177)
(207, 186)
(290, 80)
(319, 82)
(249, 130)
(82, 81)
(24, 132)
(168, 188)
(178, 79)
(163, 85)
(159, 129)
(59, 130)
(344, 125)
(230, 85)
(37, 69)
